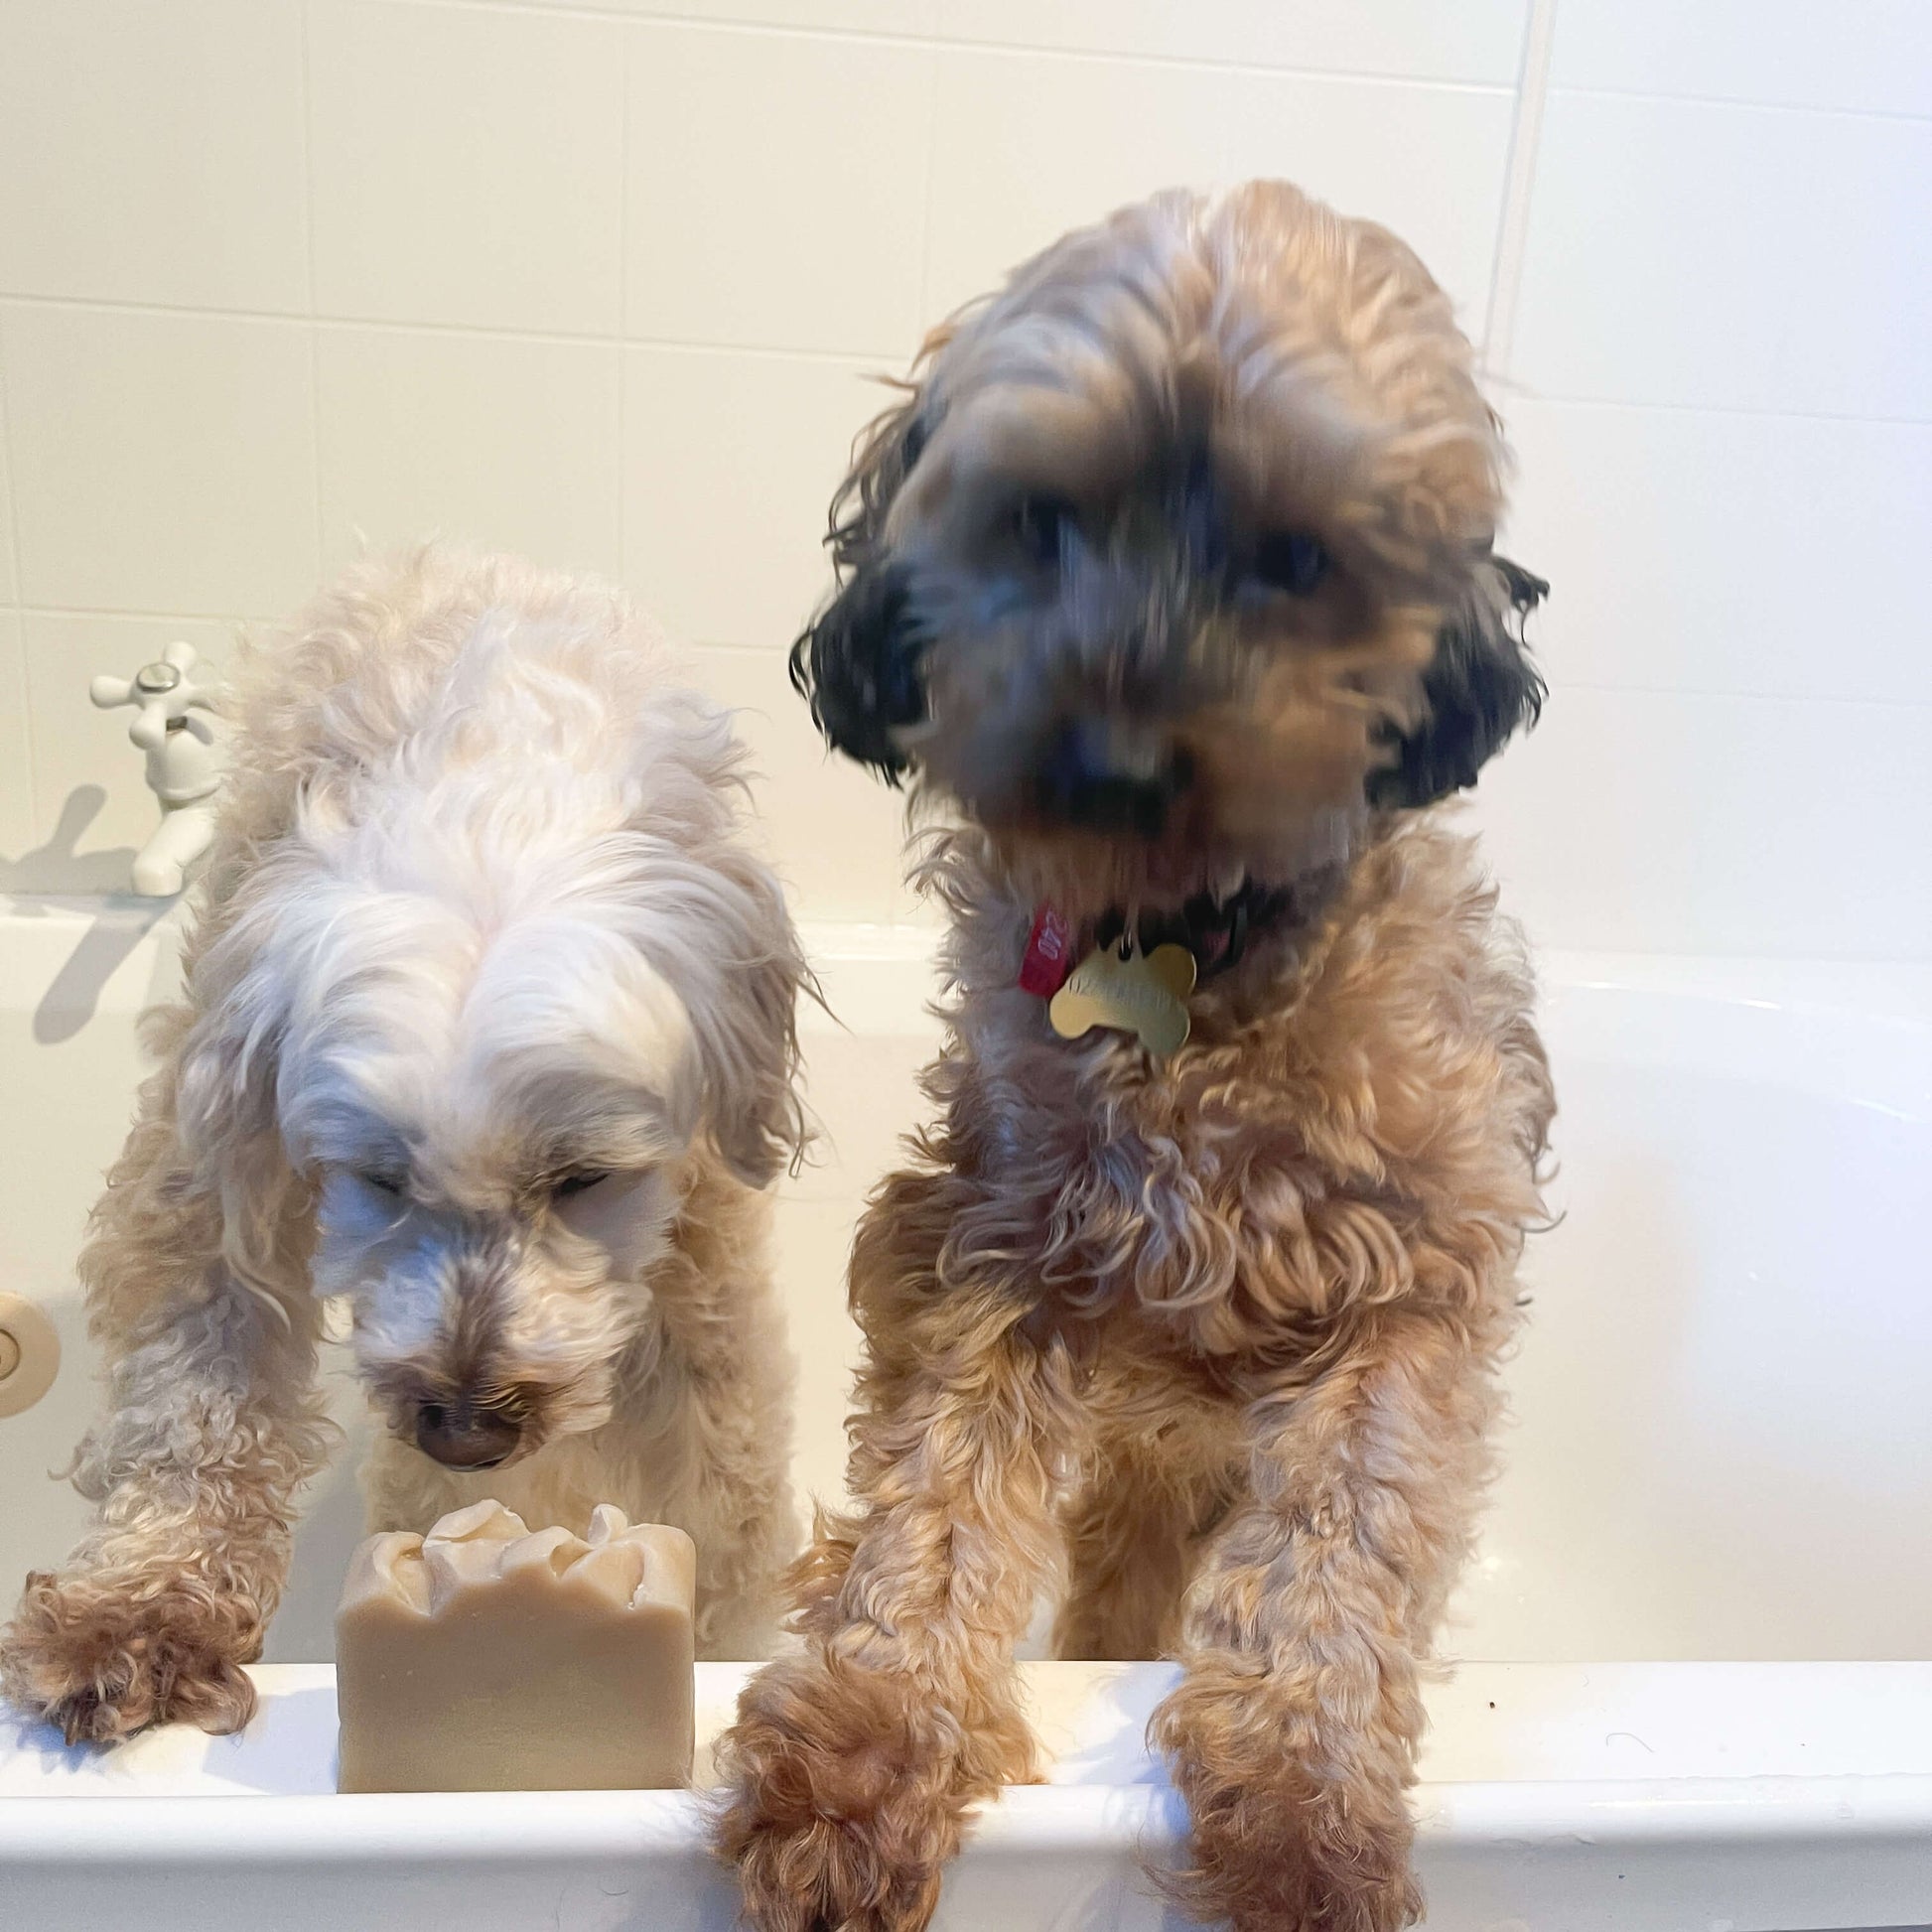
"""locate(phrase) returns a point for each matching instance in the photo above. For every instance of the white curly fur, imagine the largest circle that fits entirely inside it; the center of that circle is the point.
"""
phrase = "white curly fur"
(480, 916)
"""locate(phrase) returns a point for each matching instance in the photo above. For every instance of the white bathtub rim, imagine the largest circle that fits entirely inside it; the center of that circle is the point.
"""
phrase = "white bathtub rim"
(1641, 1850)
(1789, 1734)
(1599, 1855)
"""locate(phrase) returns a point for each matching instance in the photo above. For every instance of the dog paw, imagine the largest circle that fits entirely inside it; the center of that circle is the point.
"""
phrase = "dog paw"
(842, 1801)
(1273, 1847)
(102, 1657)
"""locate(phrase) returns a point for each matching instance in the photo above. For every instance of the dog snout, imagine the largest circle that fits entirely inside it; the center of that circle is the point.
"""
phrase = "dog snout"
(1114, 778)
(461, 1434)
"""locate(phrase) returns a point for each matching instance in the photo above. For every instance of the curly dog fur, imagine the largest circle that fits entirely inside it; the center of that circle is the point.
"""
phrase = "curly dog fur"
(489, 1029)
(1169, 583)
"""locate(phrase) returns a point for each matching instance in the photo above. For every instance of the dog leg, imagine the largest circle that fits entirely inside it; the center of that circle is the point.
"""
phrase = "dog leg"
(194, 1474)
(722, 1449)
(214, 1424)
(731, 1421)
(1294, 1733)
(852, 1763)
(1133, 1540)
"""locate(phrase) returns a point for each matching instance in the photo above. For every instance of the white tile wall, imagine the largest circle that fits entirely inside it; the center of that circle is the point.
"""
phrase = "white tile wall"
(1730, 257)
(152, 153)
(1868, 55)
(881, 17)
(1028, 144)
(1655, 821)
(17, 815)
(602, 278)
(8, 592)
(467, 165)
(846, 848)
(729, 460)
(161, 462)
(1701, 550)
(754, 216)
(1718, 391)
(507, 440)
(1475, 40)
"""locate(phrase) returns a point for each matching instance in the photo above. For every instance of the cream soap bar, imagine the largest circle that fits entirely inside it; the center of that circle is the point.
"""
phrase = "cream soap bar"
(489, 1657)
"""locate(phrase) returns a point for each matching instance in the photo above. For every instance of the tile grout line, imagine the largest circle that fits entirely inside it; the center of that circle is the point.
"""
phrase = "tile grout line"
(1646, 95)
(1519, 183)
(865, 361)
(565, 339)
(103, 613)
(785, 29)
(1603, 687)
(309, 250)
(1849, 417)
(765, 651)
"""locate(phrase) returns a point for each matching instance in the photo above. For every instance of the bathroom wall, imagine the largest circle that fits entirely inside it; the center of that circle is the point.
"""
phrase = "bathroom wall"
(610, 283)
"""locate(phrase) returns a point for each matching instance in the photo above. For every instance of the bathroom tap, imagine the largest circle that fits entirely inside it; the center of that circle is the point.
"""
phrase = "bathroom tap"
(183, 761)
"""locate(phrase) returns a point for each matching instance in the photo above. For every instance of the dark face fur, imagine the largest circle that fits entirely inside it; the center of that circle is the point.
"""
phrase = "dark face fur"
(1174, 568)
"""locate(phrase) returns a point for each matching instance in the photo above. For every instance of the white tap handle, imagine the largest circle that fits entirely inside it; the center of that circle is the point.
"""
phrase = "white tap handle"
(166, 685)
(183, 758)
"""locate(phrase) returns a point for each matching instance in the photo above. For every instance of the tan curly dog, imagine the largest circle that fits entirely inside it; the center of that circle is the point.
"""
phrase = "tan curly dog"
(1171, 583)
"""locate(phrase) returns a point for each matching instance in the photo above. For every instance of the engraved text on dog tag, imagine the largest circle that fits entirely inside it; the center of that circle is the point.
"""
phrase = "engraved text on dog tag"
(1144, 994)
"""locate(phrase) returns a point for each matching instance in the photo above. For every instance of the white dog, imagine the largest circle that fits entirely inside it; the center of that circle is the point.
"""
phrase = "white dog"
(489, 1029)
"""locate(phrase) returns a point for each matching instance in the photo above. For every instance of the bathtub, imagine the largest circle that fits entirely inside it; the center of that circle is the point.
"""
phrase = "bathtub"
(1689, 1691)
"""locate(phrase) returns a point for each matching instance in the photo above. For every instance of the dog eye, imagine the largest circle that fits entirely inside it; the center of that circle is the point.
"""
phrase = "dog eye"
(1291, 561)
(1040, 528)
(381, 1181)
(578, 1183)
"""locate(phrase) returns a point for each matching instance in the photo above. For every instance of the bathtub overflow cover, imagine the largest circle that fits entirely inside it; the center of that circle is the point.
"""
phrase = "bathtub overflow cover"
(29, 1354)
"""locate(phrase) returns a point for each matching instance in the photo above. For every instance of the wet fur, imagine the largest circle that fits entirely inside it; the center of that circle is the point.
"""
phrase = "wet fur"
(479, 887)
(1214, 1341)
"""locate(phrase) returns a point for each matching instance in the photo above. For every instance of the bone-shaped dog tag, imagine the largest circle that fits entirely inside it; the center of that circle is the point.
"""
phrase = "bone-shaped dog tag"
(1144, 994)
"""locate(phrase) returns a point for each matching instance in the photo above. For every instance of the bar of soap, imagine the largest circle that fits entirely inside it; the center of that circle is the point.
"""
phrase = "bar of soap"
(489, 1657)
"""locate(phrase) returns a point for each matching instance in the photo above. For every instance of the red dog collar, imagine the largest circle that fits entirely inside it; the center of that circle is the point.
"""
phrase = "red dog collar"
(1049, 955)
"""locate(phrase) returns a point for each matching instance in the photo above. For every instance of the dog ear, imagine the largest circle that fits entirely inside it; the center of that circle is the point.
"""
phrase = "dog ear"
(1479, 687)
(222, 1055)
(858, 662)
(745, 1026)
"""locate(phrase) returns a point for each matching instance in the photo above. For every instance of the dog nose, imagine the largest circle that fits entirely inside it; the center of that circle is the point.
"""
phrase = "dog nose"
(1111, 779)
(465, 1435)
